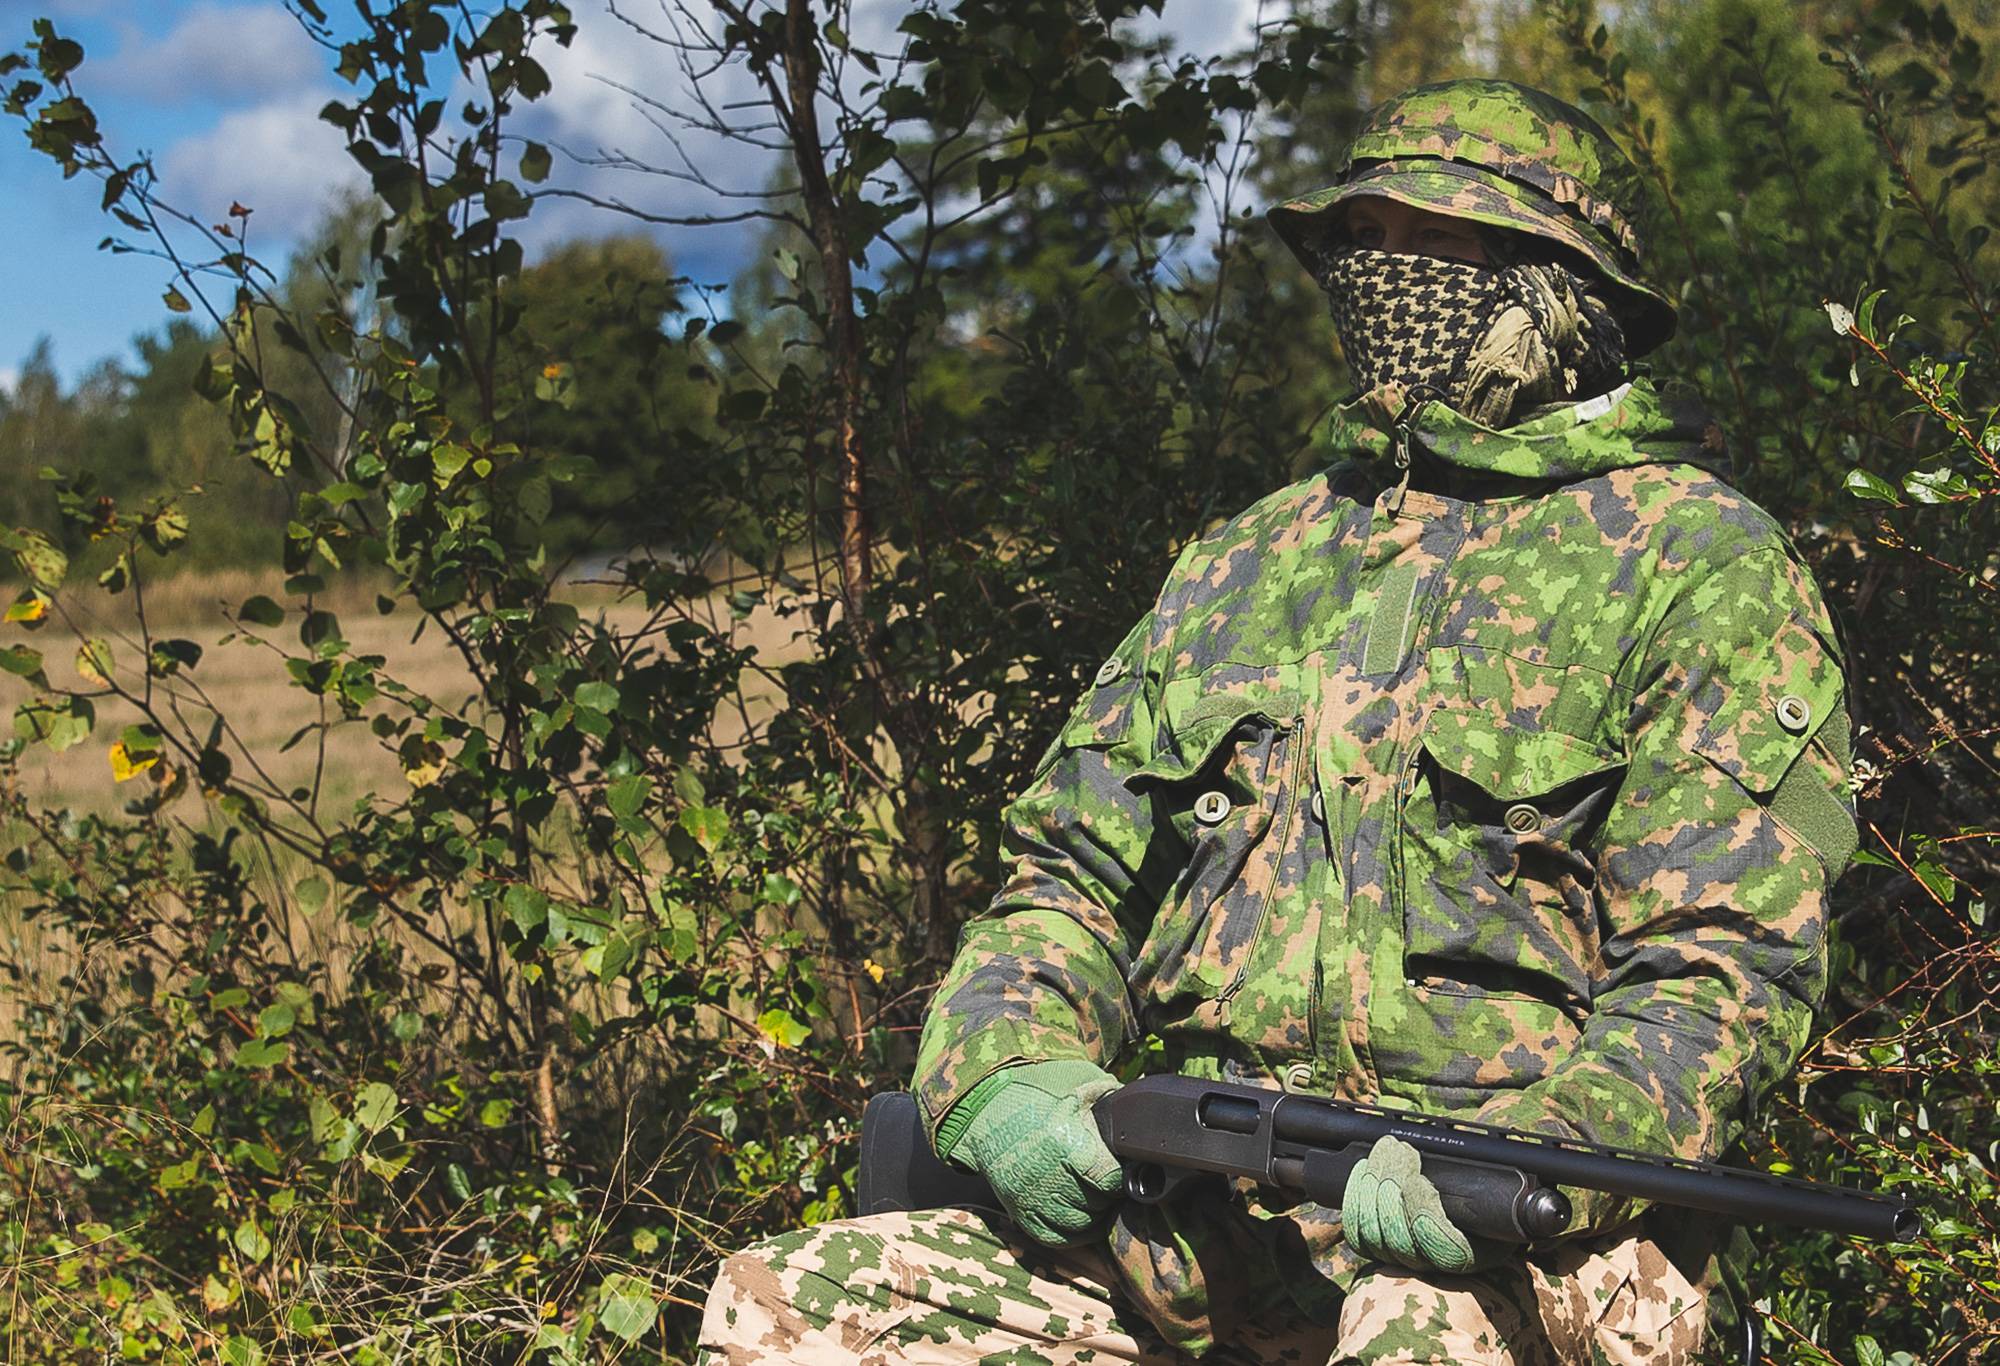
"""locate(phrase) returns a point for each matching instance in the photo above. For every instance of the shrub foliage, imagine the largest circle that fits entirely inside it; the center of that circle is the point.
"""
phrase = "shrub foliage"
(494, 1065)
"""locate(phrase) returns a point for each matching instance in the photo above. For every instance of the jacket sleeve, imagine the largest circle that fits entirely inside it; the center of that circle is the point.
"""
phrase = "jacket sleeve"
(1714, 864)
(1042, 973)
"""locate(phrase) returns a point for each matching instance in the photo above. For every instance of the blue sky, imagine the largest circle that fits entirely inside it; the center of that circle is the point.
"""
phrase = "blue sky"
(224, 94)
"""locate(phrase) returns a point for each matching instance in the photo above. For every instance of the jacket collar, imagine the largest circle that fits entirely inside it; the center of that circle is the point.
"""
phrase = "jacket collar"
(1632, 425)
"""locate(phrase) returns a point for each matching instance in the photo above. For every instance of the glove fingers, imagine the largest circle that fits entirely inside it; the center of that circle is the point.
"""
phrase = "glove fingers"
(1098, 1175)
(1047, 1206)
(1357, 1211)
(1441, 1244)
(1393, 1223)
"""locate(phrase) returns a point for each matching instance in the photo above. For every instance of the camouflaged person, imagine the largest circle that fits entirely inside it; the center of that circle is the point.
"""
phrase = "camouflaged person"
(1498, 770)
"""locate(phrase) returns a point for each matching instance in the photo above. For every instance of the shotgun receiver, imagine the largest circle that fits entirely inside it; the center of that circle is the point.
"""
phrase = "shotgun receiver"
(1494, 1183)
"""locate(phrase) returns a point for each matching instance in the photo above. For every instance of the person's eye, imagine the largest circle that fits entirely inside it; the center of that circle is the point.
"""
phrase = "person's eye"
(1366, 234)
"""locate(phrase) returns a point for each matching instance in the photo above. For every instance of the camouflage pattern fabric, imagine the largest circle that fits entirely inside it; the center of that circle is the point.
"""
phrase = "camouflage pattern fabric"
(1507, 156)
(1522, 809)
(950, 1286)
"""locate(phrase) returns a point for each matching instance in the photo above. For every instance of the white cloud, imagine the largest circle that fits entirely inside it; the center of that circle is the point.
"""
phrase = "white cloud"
(619, 96)
(10, 375)
(214, 53)
(277, 158)
(1208, 28)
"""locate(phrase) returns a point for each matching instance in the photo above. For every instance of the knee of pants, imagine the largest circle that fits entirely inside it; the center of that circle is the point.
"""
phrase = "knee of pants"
(752, 1305)
(1399, 1318)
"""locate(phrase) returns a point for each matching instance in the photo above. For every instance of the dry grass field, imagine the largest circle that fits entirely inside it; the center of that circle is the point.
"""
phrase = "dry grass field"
(245, 681)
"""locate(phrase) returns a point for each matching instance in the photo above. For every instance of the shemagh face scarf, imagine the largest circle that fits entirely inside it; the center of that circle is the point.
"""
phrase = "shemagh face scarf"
(1487, 340)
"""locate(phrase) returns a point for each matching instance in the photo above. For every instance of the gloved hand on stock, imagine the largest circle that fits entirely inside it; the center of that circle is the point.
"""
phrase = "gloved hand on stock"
(1390, 1212)
(1029, 1131)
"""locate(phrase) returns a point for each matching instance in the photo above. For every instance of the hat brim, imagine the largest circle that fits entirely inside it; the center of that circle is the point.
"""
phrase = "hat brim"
(1466, 192)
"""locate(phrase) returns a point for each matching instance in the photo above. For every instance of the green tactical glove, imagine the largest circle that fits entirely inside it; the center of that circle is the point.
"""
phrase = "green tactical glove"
(1390, 1212)
(1028, 1130)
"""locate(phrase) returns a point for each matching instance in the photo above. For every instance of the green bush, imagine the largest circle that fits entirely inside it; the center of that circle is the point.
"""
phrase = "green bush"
(495, 1065)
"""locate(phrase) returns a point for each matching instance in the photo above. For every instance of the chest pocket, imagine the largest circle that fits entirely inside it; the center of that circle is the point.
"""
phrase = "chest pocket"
(1495, 826)
(1225, 782)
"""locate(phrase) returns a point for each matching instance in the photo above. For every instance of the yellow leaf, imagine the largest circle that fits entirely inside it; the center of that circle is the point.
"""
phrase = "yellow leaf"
(30, 606)
(93, 661)
(423, 763)
(872, 968)
(124, 767)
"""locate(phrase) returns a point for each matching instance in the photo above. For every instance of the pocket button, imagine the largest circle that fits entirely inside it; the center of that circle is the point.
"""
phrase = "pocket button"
(1298, 1076)
(1109, 671)
(1522, 818)
(1211, 807)
(1794, 713)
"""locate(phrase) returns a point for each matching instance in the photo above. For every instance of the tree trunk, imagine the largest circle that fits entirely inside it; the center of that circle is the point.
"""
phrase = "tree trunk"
(843, 330)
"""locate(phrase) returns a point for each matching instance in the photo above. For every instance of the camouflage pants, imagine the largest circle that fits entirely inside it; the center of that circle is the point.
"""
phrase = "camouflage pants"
(949, 1286)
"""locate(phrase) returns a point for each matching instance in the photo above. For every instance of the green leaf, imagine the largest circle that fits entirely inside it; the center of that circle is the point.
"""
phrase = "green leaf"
(39, 560)
(708, 825)
(627, 1308)
(311, 894)
(20, 659)
(323, 1118)
(597, 696)
(527, 907)
(1862, 484)
(616, 955)
(1934, 876)
(261, 611)
(1867, 1351)
(447, 459)
(274, 1022)
(251, 1241)
(375, 1106)
(176, 301)
(494, 1114)
(535, 163)
(782, 1028)
(262, 1053)
(628, 795)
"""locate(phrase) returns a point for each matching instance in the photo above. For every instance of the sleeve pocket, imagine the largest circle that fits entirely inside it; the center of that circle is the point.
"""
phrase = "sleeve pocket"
(1106, 714)
(1753, 718)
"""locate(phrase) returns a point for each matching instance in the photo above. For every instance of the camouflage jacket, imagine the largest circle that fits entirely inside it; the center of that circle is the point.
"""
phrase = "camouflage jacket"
(1523, 808)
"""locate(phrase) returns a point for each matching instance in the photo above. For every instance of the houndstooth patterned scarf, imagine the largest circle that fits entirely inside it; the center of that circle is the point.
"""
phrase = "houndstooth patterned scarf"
(1488, 340)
